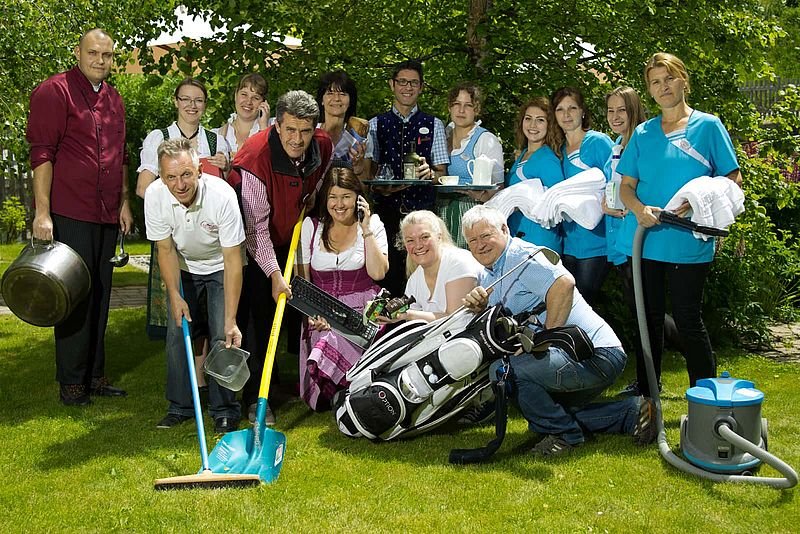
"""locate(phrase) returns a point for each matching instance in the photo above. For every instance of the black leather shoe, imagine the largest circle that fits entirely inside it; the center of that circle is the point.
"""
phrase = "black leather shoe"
(172, 419)
(223, 425)
(101, 387)
(74, 395)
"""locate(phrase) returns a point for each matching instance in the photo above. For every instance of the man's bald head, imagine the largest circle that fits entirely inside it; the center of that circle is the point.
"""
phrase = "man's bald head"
(95, 32)
(95, 54)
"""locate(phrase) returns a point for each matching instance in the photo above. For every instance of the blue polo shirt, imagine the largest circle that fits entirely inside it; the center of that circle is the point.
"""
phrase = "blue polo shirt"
(663, 164)
(527, 287)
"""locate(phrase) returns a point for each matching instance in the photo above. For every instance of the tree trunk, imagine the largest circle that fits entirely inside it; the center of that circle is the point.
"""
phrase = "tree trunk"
(476, 43)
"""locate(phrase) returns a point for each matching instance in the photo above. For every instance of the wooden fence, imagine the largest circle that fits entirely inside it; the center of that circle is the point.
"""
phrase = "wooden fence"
(765, 93)
(15, 179)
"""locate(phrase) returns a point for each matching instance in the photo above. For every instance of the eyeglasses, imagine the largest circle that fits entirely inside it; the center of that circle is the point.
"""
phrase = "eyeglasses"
(402, 82)
(331, 92)
(186, 101)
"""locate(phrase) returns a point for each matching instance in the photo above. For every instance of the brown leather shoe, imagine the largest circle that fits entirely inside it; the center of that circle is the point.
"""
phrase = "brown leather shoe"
(101, 387)
(74, 395)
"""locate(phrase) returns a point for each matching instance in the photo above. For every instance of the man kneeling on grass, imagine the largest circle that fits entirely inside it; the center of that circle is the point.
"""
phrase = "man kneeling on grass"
(196, 224)
(554, 390)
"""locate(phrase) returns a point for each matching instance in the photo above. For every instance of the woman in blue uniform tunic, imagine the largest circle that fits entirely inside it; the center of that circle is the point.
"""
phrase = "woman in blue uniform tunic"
(664, 154)
(583, 148)
(537, 138)
(624, 111)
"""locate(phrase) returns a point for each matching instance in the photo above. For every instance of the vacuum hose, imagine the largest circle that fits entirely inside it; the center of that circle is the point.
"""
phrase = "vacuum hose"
(790, 476)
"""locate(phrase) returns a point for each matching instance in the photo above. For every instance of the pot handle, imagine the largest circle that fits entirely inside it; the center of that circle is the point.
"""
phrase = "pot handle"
(47, 244)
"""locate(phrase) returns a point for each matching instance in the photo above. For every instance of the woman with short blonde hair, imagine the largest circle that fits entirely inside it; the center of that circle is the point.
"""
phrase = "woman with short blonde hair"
(664, 154)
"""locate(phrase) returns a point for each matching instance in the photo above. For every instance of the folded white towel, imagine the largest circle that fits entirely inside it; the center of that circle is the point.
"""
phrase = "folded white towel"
(575, 199)
(715, 201)
(522, 196)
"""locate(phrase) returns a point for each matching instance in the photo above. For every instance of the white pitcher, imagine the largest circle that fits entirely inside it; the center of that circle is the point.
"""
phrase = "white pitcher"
(480, 170)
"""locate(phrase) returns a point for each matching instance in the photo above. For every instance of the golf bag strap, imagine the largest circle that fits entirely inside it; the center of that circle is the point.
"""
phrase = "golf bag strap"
(481, 454)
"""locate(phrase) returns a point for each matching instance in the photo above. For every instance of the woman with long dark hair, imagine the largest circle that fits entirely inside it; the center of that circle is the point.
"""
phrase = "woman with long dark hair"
(538, 139)
(343, 251)
(583, 148)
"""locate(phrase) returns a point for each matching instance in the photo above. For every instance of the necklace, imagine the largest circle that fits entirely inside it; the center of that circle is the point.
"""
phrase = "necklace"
(188, 136)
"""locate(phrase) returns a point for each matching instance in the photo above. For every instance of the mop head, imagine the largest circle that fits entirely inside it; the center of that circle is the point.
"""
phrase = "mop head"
(207, 480)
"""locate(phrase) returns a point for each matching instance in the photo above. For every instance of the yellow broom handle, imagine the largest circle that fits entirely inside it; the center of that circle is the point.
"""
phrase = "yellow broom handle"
(272, 346)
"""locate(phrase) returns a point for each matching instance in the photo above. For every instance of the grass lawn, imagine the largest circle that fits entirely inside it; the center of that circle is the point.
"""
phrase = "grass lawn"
(125, 276)
(92, 469)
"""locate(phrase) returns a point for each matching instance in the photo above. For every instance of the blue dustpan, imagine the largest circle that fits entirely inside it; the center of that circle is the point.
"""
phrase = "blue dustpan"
(259, 450)
(255, 451)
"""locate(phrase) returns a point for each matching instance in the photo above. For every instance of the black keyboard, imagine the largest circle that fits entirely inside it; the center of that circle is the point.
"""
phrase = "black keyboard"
(312, 301)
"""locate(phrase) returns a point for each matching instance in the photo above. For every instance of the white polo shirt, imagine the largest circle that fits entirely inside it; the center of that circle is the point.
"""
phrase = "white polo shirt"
(199, 231)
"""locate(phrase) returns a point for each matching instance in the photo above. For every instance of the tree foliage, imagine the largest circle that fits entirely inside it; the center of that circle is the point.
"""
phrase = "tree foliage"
(783, 56)
(512, 48)
(38, 39)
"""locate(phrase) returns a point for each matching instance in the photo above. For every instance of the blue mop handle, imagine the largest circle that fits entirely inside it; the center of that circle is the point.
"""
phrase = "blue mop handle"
(198, 410)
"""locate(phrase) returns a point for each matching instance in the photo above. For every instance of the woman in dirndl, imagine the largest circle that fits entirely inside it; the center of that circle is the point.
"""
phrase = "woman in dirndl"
(467, 140)
(191, 99)
(344, 253)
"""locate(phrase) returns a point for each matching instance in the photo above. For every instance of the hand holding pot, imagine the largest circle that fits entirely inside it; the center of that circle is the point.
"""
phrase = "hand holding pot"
(43, 227)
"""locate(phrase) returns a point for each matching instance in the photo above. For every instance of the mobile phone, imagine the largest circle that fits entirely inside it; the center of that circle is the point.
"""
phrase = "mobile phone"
(360, 211)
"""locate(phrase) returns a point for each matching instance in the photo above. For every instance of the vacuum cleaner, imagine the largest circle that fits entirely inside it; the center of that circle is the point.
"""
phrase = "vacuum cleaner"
(723, 437)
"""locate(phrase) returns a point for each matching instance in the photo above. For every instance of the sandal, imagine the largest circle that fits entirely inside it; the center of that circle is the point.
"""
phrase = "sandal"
(645, 430)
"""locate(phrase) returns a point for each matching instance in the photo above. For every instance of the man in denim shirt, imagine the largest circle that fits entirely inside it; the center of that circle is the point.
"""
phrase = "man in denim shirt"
(554, 391)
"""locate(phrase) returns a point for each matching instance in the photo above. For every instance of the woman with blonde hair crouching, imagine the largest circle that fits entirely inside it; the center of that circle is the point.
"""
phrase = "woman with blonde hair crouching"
(439, 273)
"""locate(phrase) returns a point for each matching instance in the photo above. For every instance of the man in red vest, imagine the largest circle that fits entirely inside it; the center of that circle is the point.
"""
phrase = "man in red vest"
(276, 172)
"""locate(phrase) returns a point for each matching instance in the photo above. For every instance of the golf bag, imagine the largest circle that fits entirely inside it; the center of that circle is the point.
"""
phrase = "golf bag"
(422, 374)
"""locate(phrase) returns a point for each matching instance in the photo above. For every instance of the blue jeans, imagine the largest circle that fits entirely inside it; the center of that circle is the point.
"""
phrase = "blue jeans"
(555, 393)
(222, 401)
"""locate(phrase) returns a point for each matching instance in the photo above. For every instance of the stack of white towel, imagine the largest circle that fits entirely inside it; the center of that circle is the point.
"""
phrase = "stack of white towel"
(715, 202)
(523, 196)
(576, 199)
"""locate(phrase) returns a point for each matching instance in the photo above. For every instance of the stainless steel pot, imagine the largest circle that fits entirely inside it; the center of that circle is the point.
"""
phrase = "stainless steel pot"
(45, 283)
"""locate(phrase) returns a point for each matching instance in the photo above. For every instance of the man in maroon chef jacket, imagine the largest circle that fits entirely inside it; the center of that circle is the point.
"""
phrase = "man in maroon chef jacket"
(76, 131)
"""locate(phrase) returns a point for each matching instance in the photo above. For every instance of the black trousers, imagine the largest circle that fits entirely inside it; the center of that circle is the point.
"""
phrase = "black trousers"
(589, 274)
(685, 282)
(254, 317)
(395, 279)
(80, 339)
